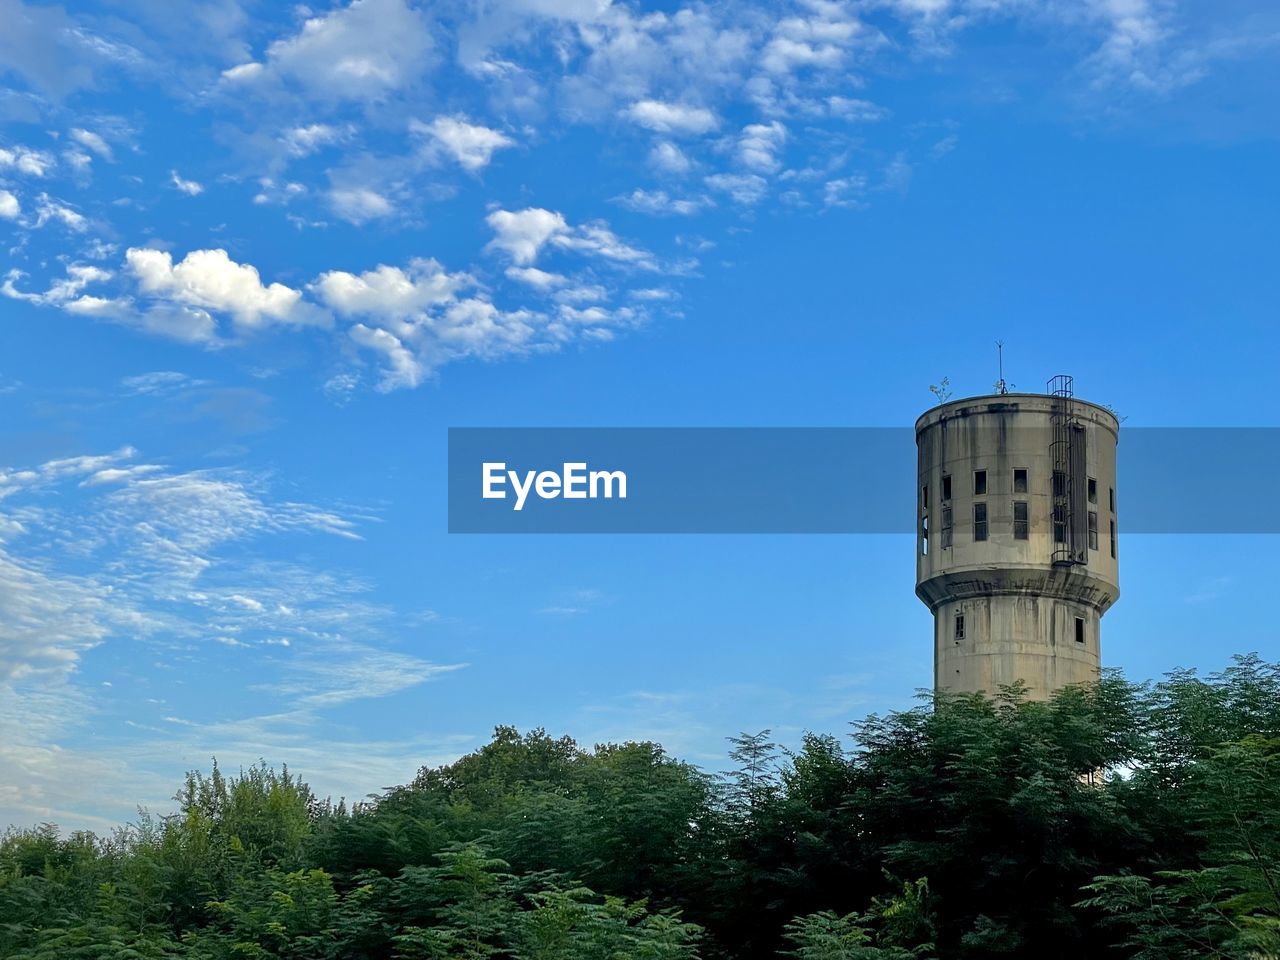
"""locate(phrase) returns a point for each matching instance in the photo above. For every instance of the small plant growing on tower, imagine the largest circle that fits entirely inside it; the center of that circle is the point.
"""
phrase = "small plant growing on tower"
(941, 389)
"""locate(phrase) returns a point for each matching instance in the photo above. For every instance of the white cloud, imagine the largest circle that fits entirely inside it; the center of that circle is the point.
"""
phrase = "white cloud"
(171, 523)
(243, 72)
(471, 145)
(759, 145)
(78, 277)
(190, 515)
(539, 279)
(897, 174)
(666, 157)
(598, 240)
(852, 108)
(658, 203)
(617, 55)
(92, 141)
(159, 383)
(281, 193)
(523, 233)
(120, 474)
(340, 386)
(844, 191)
(418, 318)
(48, 209)
(363, 51)
(582, 294)
(189, 187)
(414, 319)
(376, 673)
(211, 280)
(671, 118)
(9, 207)
(403, 368)
(79, 161)
(164, 582)
(51, 620)
(359, 204)
(820, 40)
(34, 163)
(249, 603)
(476, 327)
(1132, 51)
(174, 321)
(747, 189)
(99, 249)
(303, 141)
(652, 294)
(944, 146)
(389, 291)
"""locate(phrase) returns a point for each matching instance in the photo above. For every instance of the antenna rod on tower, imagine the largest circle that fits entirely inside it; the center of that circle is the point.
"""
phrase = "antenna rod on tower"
(1001, 387)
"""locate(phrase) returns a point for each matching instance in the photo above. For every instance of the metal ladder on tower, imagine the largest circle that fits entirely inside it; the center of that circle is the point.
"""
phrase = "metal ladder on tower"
(1061, 389)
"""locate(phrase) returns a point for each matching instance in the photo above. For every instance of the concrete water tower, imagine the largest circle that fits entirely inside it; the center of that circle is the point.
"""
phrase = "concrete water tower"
(1017, 553)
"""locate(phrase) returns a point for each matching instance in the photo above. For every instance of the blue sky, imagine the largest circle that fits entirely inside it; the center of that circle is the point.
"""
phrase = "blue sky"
(259, 258)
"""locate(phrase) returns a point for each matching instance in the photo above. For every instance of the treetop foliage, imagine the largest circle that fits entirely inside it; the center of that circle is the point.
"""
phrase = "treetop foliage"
(1121, 820)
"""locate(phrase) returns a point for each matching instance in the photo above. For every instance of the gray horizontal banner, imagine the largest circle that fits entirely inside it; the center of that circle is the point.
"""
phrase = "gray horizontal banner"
(812, 480)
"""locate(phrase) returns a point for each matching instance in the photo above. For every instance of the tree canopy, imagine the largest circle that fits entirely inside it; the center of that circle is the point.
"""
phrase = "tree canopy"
(1120, 820)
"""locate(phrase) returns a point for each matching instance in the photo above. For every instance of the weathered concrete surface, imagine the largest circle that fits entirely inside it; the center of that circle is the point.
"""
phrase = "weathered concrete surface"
(1019, 608)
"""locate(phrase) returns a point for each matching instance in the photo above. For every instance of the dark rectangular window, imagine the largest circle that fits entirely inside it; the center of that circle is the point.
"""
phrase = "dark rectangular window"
(1059, 523)
(1059, 483)
(979, 521)
(924, 498)
(1093, 490)
(946, 527)
(979, 483)
(1112, 491)
(946, 487)
(1079, 629)
(1020, 480)
(924, 534)
(1021, 527)
(959, 626)
(1093, 530)
(1113, 538)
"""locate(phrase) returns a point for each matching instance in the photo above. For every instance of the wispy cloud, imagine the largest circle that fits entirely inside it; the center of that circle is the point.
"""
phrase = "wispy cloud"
(362, 51)
(471, 145)
(189, 187)
(105, 549)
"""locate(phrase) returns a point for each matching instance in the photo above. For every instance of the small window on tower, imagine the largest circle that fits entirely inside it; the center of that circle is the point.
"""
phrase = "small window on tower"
(924, 535)
(1079, 629)
(1112, 491)
(1059, 483)
(1113, 539)
(959, 626)
(1020, 480)
(1093, 490)
(979, 521)
(1093, 530)
(1021, 526)
(946, 487)
(946, 527)
(1059, 523)
(924, 498)
(979, 483)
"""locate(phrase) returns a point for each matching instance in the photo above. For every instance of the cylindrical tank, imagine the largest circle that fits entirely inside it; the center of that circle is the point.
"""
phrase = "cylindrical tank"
(1017, 553)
